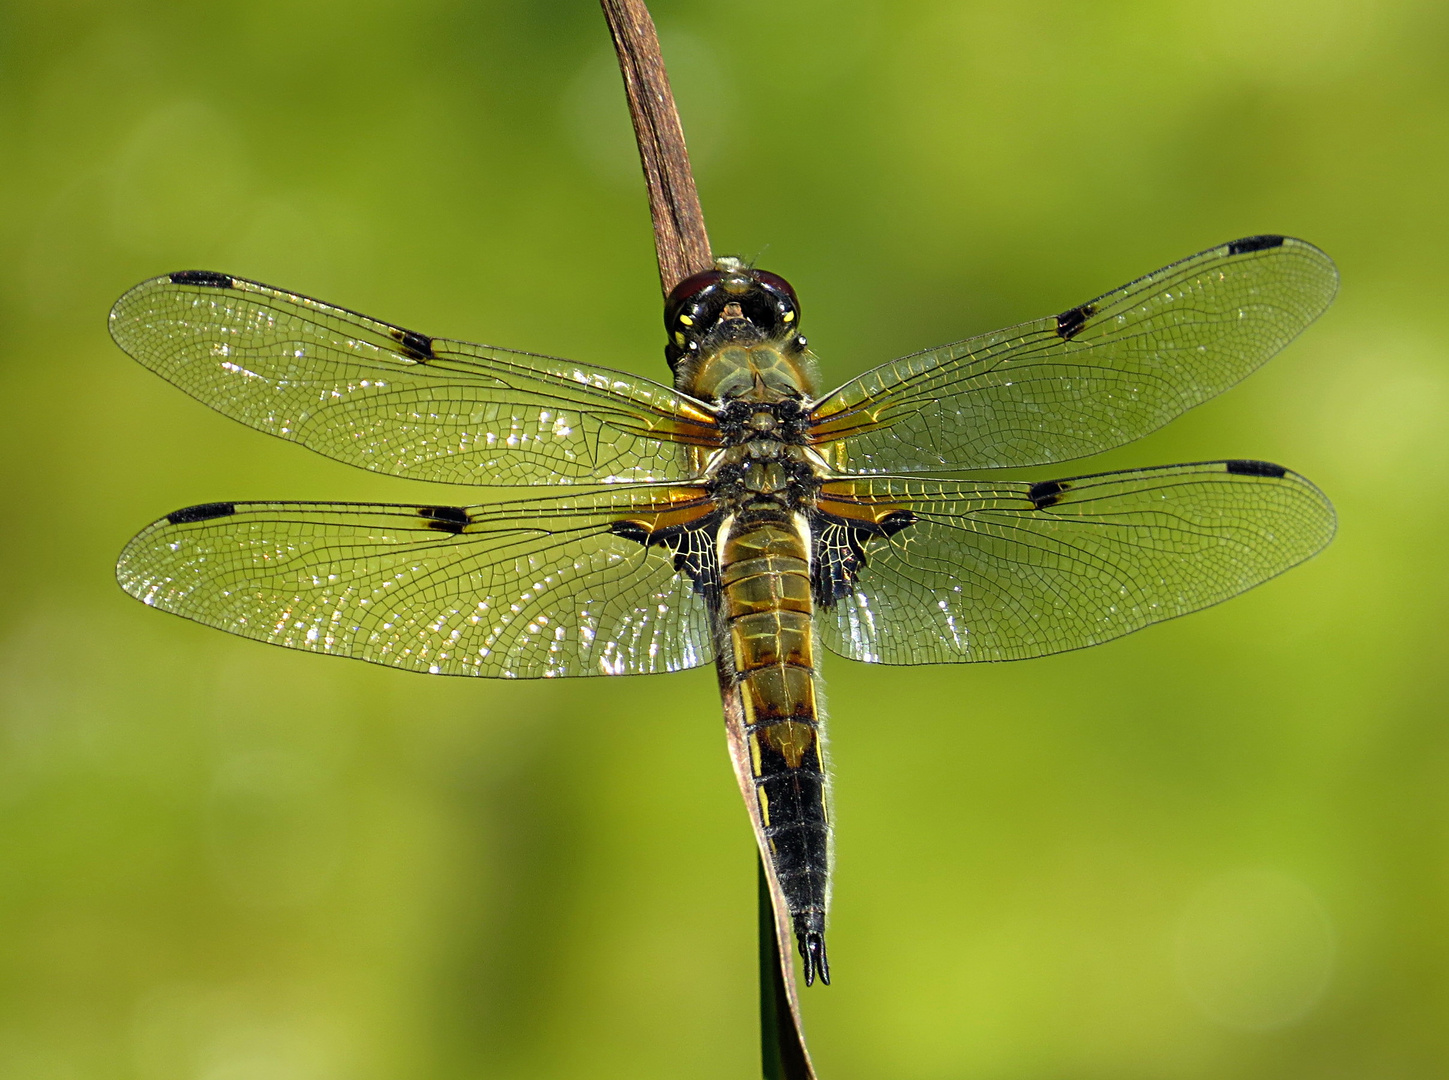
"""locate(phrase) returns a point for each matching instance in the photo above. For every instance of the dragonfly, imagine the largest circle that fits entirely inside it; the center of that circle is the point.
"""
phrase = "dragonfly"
(741, 516)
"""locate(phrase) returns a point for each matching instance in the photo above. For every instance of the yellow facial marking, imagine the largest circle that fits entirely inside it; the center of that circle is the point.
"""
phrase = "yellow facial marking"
(678, 338)
(686, 320)
(789, 316)
(791, 740)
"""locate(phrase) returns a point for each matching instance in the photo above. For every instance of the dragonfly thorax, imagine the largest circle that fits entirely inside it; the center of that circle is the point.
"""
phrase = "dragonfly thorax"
(760, 371)
(747, 420)
(768, 470)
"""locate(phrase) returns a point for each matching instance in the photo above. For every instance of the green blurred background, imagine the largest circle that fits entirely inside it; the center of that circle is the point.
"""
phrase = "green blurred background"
(1216, 849)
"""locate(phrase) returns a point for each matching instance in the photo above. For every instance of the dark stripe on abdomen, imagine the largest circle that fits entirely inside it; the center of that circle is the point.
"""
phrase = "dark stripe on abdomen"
(767, 608)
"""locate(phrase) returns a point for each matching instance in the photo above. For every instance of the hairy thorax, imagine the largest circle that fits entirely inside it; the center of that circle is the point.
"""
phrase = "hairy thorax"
(761, 390)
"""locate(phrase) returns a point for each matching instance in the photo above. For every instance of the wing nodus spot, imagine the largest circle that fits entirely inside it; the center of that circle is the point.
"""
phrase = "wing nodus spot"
(414, 346)
(1070, 323)
(1247, 467)
(203, 277)
(1047, 493)
(203, 512)
(1254, 243)
(448, 519)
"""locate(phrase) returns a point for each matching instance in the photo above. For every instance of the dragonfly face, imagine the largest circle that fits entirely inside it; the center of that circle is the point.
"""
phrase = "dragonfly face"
(734, 331)
(740, 517)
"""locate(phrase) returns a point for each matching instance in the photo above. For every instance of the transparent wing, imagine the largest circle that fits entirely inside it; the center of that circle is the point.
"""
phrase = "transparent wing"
(1014, 570)
(1089, 379)
(396, 401)
(527, 589)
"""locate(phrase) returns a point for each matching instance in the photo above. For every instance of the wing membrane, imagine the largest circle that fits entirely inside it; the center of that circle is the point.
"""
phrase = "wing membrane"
(1094, 377)
(1006, 571)
(526, 589)
(398, 402)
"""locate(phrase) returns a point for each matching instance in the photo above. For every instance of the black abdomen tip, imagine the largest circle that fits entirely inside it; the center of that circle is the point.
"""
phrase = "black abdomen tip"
(203, 512)
(202, 277)
(810, 938)
(812, 952)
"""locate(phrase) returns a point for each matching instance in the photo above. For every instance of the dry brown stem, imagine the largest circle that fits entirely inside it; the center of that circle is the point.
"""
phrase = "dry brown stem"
(680, 239)
(682, 245)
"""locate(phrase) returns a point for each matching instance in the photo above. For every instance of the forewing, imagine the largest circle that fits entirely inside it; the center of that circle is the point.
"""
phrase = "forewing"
(1094, 377)
(1007, 571)
(527, 589)
(396, 401)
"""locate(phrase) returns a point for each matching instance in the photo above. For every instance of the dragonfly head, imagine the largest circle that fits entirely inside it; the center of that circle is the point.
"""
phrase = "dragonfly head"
(738, 311)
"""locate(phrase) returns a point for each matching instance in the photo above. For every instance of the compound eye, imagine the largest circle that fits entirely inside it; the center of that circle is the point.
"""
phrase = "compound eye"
(685, 292)
(790, 303)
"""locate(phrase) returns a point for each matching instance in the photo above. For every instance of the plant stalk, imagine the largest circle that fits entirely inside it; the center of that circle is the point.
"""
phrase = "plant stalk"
(682, 246)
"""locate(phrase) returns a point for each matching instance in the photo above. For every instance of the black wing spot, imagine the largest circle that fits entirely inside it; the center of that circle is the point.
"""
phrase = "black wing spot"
(840, 553)
(1070, 323)
(631, 530)
(449, 519)
(1254, 243)
(694, 556)
(203, 512)
(415, 346)
(1248, 467)
(1047, 493)
(203, 277)
(895, 521)
(693, 547)
(839, 559)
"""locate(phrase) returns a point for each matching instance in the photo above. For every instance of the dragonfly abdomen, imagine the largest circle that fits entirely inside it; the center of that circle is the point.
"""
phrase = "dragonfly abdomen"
(767, 610)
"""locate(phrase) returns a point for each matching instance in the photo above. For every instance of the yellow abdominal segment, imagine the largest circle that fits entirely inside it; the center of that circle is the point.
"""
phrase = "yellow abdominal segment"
(767, 606)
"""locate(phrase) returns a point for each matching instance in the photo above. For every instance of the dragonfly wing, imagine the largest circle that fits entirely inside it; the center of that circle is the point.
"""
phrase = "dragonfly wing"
(399, 402)
(1094, 377)
(550, 587)
(936, 571)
